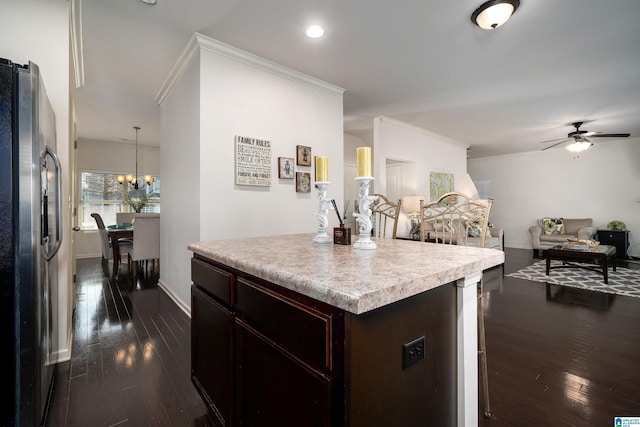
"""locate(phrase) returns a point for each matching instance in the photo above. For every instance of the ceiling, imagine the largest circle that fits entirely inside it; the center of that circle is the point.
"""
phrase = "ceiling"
(420, 62)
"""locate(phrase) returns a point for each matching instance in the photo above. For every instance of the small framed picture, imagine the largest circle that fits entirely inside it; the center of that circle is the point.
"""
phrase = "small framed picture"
(285, 167)
(303, 182)
(304, 155)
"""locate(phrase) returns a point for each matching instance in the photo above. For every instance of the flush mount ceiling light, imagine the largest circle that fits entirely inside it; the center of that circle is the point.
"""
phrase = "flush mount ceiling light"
(152, 2)
(315, 32)
(494, 13)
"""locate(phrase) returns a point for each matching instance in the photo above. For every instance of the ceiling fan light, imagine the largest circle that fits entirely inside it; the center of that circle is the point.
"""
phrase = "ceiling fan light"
(494, 13)
(315, 32)
(579, 146)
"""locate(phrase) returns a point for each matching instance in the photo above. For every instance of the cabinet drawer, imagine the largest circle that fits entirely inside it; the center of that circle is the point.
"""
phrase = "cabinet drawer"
(217, 282)
(611, 237)
(304, 331)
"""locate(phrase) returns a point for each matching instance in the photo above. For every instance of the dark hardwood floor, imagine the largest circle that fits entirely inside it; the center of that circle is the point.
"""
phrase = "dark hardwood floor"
(571, 360)
(130, 363)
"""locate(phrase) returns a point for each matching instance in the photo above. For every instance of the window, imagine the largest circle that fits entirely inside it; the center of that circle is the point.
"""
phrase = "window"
(101, 193)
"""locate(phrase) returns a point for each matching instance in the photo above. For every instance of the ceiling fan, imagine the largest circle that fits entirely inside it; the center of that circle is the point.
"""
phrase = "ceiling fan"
(580, 138)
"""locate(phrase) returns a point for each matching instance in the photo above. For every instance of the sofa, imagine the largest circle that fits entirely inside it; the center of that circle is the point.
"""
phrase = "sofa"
(550, 232)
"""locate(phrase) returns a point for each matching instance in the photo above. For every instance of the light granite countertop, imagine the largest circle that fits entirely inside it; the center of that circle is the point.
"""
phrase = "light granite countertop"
(351, 279)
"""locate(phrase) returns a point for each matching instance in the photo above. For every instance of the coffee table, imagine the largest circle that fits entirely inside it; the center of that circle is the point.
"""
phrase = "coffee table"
(601, 256)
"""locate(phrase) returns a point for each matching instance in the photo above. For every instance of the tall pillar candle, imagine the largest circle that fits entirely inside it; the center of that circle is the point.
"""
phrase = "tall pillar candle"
(322, 169)
(363, 167)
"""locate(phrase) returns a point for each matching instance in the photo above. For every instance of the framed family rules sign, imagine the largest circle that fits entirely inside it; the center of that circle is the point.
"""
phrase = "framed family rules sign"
(253, 161)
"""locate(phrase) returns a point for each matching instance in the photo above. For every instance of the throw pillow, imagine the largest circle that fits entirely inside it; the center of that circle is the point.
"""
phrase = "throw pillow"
(474, 228)
(552, 225)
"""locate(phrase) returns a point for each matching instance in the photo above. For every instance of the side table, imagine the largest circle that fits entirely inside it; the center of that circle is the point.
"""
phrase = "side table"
(617, 238)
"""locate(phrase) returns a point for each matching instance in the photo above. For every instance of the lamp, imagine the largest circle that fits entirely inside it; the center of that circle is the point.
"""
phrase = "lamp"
(580, 144)
(411, 205)
(493, 13)
(133, 179)
(469, 188)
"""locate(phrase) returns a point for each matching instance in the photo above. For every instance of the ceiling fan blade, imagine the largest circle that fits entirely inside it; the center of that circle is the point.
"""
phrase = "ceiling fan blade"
(557, 143)
(610, 135)
(553, 140)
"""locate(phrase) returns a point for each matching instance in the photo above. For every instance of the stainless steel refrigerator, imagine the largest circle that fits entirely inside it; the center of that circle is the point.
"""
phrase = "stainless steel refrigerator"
(30, 236)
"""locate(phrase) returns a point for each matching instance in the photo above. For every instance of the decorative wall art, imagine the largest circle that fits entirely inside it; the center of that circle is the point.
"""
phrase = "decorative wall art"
(303, 182)
(439, 184)
(253, 161)
(285, 168)
(303, 155)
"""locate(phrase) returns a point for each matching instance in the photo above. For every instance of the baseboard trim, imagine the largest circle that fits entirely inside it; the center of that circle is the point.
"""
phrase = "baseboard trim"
(181, 304)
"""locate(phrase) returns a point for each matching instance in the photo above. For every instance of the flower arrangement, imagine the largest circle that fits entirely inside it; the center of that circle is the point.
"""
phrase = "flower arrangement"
(616, 225)
(138, 203)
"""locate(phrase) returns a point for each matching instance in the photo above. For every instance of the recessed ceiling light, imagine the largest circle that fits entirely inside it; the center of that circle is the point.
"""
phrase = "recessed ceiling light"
(315, 31)
(150, 1)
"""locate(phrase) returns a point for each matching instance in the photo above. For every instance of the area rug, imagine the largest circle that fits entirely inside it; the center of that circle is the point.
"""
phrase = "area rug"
(623, 281)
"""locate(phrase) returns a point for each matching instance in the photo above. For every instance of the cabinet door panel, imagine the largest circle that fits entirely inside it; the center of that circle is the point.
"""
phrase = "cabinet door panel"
(274, 388)
(211, 355)
(300, 329)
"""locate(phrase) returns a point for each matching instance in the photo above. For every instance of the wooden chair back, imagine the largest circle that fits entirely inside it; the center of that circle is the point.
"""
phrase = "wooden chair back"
(453, 218)
(384, 216)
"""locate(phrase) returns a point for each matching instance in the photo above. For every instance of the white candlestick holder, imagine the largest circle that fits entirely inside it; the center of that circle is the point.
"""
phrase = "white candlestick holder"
(324, 205)
(364, 215)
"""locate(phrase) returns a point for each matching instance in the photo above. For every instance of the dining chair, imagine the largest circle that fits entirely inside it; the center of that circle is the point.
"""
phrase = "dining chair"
(124, 217)
(146, 240)
(384, 216)
(106, 244)
(455, 218)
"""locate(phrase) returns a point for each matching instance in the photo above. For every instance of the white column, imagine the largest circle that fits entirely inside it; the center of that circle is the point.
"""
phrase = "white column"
(468, 350)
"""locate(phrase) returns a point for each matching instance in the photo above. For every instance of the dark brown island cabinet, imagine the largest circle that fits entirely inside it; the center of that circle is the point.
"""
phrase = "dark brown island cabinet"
(266, 355)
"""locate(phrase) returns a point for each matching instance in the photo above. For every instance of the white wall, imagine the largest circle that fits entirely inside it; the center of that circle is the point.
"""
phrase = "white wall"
(182, 183)
(603, 183)
(429, 152)
(119, 157)
(116, 157)
(240, 94)
(38, 31)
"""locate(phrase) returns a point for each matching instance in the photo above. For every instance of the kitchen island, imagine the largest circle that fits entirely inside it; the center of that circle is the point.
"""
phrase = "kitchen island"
(287, 332)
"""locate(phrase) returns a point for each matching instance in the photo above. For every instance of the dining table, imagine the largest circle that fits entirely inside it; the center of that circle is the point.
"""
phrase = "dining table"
(116, 233)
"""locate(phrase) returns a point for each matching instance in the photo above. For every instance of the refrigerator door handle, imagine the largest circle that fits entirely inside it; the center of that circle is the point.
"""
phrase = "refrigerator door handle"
(50, 253)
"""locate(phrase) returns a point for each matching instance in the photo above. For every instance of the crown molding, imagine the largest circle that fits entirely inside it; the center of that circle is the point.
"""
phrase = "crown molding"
(77, 54)
(201, 42)
(184, 60)
(422, 131)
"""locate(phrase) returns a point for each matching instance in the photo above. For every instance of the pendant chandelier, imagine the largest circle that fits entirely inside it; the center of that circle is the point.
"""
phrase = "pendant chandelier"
(131, 178)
